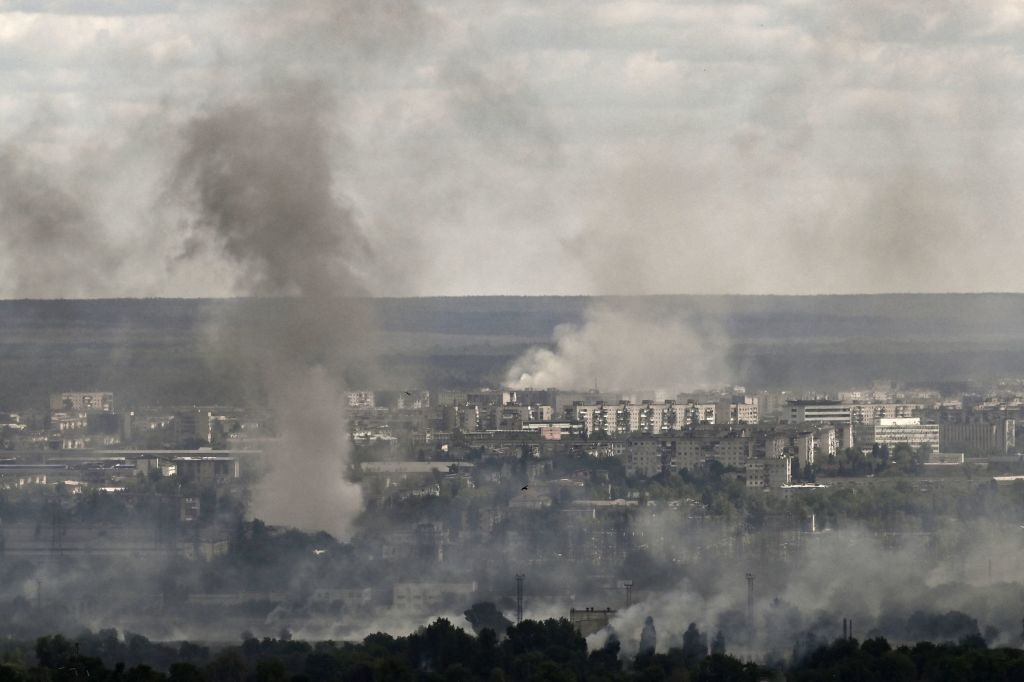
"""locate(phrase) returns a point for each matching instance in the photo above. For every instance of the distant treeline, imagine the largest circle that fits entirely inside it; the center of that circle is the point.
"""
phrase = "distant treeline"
(156, 351)
(548, 650)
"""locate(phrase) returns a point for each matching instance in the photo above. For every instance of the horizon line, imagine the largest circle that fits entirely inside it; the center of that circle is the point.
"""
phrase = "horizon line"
(510, 296)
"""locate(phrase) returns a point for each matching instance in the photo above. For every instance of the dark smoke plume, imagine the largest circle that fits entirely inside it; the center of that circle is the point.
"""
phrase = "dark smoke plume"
(258, 177)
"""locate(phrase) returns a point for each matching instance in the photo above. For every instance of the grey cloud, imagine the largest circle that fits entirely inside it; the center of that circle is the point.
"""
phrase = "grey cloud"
(772, 154)
(52, 244)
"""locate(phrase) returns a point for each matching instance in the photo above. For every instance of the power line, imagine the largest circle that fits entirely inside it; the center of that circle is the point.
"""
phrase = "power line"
(519, 597)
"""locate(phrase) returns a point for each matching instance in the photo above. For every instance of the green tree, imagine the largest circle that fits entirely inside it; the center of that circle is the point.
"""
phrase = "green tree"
(695, 645)
(718, 643)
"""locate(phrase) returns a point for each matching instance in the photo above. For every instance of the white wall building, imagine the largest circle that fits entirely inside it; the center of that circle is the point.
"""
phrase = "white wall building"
(896, 431)
(801, 411)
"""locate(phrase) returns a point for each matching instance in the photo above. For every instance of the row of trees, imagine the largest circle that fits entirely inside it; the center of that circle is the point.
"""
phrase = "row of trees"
(902, 459)
(548, 650)
(875, 659)
(532, 650)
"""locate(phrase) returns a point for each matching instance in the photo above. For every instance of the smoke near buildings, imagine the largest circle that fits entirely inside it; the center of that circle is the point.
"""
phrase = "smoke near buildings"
(625, 344)
(316, 154)
(258, 179)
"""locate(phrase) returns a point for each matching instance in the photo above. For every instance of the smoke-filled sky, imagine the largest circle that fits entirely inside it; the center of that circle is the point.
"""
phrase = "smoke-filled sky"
(524, 147)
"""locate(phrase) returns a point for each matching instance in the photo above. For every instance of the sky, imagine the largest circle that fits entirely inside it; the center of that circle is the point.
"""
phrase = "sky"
(528, 147)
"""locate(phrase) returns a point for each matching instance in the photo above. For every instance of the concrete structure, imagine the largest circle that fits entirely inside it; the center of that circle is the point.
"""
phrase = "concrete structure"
(729, 448)
(945, 458)
(979, 437)
(740, 409)
(235, 598)
(643, 457)
(515, 417)
(193, 424)
(420, 597)
(82, 401)
(695, 413)
(361, 399)
(410, 467)
(803, 441)
(590, 620)
(646, 417)
(597, 418)
(357, 598)
(769, 472)
(892, 432)
(802, 411)
(869, 413)
(209, 470)
(553, 430)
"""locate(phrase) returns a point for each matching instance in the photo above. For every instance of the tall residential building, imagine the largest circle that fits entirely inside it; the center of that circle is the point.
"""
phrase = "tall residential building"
(696, 413)
(740, 409)
(646, 417)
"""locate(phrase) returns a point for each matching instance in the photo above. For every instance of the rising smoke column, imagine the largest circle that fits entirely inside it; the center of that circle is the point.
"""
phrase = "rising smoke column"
(624, 344)
(258, 178)
(261, 175)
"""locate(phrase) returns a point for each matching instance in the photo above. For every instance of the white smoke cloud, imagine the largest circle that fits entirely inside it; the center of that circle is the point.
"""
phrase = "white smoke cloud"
(624, 345)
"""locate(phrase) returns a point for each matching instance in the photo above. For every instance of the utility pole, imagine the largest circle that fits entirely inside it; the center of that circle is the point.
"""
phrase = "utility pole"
(628, 585)
(519, 597)
(750, 603)
(56, 528)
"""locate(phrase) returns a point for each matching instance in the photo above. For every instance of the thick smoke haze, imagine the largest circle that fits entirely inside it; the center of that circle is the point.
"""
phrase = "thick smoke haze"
(896, 592)
(314, 154)
(791, 147)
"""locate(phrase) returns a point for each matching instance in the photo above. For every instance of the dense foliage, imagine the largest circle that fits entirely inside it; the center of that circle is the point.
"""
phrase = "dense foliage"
(875, 659)
(533, 650)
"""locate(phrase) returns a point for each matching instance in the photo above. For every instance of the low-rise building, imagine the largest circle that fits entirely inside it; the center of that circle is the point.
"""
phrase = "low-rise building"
(207, 470)
(590, 620)
(977, 438)
(769, 472)
(82, 401)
